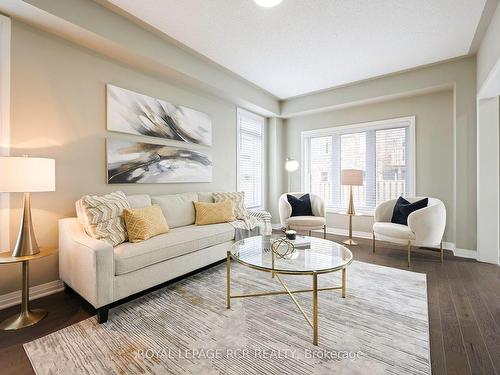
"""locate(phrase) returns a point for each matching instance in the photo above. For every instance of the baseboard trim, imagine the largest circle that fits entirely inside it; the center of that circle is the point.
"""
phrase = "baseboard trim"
(37, 291)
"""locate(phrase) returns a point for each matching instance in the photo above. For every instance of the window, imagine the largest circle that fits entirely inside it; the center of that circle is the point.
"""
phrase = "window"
(382, 149)
(251, 157)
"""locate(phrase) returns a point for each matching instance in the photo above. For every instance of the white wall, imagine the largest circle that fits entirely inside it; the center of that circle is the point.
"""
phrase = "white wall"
(488, 169)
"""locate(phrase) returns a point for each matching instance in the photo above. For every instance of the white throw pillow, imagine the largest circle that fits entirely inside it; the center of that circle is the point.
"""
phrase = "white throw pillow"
(238, 199)
(102, 216)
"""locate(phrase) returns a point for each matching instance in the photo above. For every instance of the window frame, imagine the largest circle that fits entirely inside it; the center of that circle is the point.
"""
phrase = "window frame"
(259, 118)
(408, 121)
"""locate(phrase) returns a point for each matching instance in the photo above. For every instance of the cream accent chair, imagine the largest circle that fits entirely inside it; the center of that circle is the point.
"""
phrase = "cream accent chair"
(425, 226)
(303, 223)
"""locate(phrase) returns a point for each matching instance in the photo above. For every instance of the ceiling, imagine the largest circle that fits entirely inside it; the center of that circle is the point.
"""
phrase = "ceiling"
(302, 46)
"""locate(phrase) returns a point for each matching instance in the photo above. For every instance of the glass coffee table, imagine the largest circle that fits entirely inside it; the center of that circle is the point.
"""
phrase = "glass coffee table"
(312, 256)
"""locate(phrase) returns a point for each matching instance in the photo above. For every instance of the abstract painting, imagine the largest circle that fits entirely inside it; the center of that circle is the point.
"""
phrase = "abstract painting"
(147, 163)
(133, 113)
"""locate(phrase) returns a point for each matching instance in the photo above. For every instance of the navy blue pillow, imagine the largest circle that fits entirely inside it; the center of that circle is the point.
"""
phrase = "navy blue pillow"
(403, 209)
(300, 206)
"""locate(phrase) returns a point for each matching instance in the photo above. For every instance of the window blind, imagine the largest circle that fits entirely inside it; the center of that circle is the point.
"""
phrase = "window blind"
(250, 157)
(380, 149)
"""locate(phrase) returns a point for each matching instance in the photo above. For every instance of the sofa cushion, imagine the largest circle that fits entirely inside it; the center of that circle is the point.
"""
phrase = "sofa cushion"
(178, 209)
(179, 241)
(305, 222)
(139, 200)
(205, 197)
(398, 231)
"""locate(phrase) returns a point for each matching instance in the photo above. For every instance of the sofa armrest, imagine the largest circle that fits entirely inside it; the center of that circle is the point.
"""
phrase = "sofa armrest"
(428, 224)
(85, 263)
(383, 212)
(285, 210)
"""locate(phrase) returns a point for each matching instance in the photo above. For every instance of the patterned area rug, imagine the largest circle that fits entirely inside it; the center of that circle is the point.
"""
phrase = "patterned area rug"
(380, 328)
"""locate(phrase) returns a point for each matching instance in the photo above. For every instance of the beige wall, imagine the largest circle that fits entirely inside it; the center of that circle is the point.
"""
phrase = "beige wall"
(58, 111)
(434, 146)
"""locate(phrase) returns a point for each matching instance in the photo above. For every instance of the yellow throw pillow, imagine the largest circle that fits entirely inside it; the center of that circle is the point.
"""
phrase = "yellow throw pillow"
(144, 223)
(213, 213)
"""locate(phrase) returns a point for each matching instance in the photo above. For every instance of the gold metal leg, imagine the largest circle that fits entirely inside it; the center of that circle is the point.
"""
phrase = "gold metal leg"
(350, 241)
(27, 317)
(272, 264)
(409, 251)
(373, 242)
(442, 251)
(228, 276)
(315, 308)
(344, 283)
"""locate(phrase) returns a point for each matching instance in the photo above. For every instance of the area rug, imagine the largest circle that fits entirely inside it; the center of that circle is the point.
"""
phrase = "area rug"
(380, 328)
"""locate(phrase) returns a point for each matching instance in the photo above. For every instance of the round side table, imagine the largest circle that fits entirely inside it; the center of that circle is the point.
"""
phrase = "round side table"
(26, 317)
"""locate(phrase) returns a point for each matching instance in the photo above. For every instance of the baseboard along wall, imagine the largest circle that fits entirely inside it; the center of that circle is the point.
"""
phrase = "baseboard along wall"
(38, 291)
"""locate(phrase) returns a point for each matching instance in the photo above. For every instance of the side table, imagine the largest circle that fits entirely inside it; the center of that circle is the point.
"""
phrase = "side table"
(26, 317)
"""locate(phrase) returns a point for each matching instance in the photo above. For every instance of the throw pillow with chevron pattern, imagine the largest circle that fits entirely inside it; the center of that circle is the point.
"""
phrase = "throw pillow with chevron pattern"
(102, 216)
(238, 199)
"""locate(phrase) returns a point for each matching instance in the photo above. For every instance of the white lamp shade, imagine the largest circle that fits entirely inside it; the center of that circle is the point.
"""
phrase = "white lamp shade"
(353, 177)
(291, 165)
(26, 175)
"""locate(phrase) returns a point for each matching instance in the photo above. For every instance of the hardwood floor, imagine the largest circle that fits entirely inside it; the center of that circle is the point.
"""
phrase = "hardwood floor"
(464, 311)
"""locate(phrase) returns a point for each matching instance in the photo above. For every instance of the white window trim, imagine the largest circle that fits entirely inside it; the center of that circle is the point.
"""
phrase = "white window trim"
(374, 125)
(5, 39)
(259, 118)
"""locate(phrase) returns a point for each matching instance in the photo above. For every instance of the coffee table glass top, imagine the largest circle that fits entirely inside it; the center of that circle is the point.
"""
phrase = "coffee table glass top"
(311, 255)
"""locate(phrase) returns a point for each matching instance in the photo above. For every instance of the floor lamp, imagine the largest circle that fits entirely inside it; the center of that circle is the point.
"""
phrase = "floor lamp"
(291, 165)
(351, 177)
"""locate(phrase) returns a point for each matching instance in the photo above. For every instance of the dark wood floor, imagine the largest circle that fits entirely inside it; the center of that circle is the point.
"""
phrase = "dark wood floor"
(464, 312)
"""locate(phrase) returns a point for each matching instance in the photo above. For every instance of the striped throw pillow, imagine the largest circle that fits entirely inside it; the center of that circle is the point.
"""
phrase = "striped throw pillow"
(238, 199)
(102, 216)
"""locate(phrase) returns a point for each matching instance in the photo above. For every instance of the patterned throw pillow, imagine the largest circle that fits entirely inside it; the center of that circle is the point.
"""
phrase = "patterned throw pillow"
(238, 199)
(101, 216)
(144, 223)
(213, 213)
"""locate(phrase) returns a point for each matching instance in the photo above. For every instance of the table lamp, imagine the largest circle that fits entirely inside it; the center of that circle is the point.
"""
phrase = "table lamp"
(26, 175)
(351, 177)
(291, 165)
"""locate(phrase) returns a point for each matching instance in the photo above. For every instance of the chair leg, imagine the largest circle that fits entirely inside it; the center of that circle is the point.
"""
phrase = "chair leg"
(324, 232)
(373, 242)
(310, 233)
(442, 251)
(409, 251)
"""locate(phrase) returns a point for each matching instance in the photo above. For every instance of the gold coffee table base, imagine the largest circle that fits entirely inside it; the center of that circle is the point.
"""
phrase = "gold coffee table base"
(314, 291)
(24, 319)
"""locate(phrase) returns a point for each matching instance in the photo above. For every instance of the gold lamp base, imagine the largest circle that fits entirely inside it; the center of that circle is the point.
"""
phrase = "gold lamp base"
(350, 212)
(26, 242)
(24, 319)
(350, 242)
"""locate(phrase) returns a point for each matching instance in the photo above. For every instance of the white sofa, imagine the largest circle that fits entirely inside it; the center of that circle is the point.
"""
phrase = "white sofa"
(425, 226)
(102, 274)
